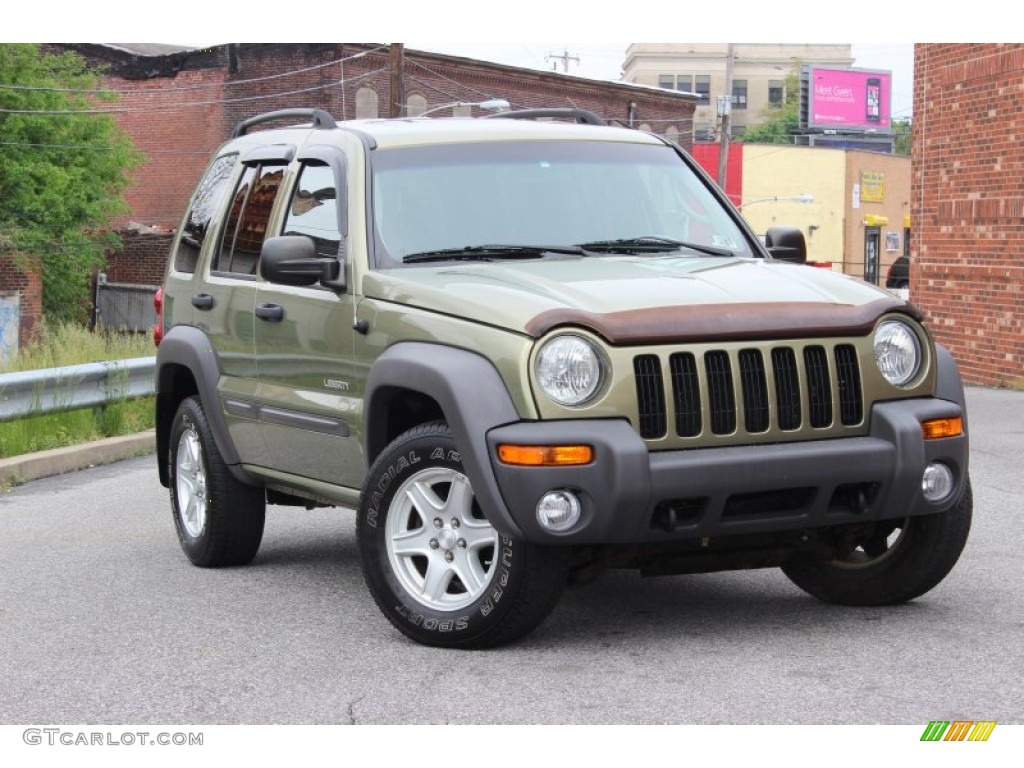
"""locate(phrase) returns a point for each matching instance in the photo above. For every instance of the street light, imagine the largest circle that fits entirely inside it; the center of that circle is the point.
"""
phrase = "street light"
(806, 197)
(490, 105)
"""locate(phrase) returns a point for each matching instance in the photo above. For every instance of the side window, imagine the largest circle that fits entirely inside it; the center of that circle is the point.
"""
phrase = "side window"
(206, 203)
(247, 220)
(314, 209)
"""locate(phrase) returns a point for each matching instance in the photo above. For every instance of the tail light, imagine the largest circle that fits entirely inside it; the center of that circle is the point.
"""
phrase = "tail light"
(158, 305)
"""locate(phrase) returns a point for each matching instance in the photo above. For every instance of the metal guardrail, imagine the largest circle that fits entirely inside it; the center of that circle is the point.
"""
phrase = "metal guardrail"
(91, 385)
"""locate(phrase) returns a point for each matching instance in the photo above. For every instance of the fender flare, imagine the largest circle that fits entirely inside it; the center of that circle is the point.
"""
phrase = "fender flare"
(472, 396)
(948, 384)
(190, 348)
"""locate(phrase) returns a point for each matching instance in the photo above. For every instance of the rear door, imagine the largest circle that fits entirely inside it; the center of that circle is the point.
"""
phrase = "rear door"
(225, 307)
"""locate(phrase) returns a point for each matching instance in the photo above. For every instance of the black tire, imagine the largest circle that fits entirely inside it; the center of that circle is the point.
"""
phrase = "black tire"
(218, 519)
(886, 569)
(457, 583)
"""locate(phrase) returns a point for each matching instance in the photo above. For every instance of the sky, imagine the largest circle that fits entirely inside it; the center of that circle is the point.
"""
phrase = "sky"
(603, 61)
(496, 32)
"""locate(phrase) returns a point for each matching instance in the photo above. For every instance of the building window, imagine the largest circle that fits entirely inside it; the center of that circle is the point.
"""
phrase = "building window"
(676, 82)
(702, 87)
(672, 134)
(776, 92)
(739, 94)
(416, 105)
(366, 103)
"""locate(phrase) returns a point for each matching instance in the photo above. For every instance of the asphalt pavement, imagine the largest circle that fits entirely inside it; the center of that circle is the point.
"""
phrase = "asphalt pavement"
(103, 620)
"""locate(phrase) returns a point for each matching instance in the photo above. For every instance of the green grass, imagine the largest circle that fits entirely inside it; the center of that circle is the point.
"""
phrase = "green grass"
(72, 345)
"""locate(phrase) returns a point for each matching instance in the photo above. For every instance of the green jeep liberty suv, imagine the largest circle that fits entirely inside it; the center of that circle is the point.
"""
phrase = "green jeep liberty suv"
(526, 350)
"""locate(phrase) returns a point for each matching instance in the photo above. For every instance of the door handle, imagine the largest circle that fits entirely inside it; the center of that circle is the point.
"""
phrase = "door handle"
(202, 301)
(272, 313)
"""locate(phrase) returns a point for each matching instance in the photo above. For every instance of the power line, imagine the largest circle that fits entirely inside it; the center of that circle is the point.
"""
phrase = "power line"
(188, 105)
(178, 89)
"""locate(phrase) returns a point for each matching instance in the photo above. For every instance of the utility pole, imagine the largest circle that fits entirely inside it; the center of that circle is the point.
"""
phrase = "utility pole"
(725, 113)
(397, 66)
(564, 57)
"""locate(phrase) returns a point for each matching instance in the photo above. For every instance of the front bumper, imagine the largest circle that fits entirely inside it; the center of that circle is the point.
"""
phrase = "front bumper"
(631, 495)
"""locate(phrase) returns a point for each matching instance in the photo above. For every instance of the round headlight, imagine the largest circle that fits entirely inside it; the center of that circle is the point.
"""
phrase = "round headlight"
(897, 352)
(569, 370)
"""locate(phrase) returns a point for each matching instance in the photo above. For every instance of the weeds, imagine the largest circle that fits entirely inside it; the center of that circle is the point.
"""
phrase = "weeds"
(72, 345)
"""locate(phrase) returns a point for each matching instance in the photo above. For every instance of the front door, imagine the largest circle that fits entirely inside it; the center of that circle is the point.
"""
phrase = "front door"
(872, 249)
(304, 348)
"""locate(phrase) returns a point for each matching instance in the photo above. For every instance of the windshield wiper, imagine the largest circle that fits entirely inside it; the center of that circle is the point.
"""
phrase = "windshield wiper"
(651, 244)
(490, 252)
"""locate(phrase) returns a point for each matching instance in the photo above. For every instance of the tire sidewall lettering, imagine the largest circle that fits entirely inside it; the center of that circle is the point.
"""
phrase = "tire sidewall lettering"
(378, 497)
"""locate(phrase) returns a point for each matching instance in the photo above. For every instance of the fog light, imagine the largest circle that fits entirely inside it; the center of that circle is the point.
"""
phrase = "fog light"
(937, 482)
(558, 510)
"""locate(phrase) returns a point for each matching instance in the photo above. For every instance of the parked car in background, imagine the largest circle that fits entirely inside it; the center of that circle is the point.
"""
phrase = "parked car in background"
(899, 274)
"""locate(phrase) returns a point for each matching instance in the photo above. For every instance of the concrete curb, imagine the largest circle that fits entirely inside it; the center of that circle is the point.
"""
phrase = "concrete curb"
(34, 466)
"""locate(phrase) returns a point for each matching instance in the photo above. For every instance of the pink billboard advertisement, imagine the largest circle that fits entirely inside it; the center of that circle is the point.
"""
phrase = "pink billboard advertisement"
(849, 99)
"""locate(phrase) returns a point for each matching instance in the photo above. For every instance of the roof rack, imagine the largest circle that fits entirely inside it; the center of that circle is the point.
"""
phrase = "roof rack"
(321, 119)
(579, 115)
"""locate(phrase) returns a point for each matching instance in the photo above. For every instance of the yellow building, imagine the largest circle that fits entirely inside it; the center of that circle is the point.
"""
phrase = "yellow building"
(860, 201)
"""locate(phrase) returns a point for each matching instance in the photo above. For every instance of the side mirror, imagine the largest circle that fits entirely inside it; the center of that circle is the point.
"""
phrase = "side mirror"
(292, 260)
(786, 244)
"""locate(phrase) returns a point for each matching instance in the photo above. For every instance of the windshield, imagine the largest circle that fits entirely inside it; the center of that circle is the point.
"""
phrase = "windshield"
(542, 194)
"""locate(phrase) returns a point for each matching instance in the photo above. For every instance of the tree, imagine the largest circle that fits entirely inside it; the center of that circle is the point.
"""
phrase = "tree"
(64, 166)
(781, 121)
(902, 130)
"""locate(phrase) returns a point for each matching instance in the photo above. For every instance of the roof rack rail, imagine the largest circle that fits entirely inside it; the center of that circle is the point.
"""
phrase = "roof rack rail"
(321, 119)
(579, 115)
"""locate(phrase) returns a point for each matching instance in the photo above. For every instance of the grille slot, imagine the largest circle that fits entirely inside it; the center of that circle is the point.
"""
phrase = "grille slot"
(686, 394)
(755, 391)
(851, 402)
(650, 395)
(721, 400)
(819, 389)
(787, 388)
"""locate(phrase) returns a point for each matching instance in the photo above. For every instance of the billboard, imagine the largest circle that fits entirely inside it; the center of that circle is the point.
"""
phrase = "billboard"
(847, 99)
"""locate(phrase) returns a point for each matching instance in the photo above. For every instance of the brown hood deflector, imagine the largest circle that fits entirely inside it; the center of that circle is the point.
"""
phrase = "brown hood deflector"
(725, 322)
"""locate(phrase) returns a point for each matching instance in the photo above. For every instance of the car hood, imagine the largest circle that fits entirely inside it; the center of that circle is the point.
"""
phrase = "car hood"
(640, 299)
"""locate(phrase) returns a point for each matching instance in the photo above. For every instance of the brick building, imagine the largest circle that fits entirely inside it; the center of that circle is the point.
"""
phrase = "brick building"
(179, 105)
(967, 204)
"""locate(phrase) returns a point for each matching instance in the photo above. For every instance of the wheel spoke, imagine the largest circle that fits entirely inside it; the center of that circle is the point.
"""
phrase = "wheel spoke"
(478, 534)
(414, 542)
(460, 499)
(424, 501)
(438, 578)
(471, 574)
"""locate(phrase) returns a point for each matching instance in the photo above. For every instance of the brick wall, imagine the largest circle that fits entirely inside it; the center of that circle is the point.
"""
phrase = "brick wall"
(141, 259)
(967, 210)
(18, 276)
(179, 107)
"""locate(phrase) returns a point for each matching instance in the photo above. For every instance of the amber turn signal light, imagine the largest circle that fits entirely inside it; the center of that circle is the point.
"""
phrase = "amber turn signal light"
(545, 455)
(933, 429)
